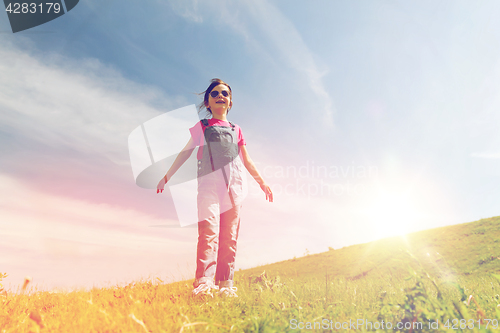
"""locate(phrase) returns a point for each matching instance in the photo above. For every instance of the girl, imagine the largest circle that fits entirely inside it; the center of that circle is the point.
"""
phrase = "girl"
(220, 189)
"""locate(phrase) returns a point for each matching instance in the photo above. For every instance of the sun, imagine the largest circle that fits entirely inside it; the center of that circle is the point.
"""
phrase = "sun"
(391, 214)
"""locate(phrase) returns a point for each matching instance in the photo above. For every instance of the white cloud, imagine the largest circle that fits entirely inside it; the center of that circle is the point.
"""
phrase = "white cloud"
(266, 30)
(187, 9)
(282, 35)
(486, 155)
(43, 234)
(80, 104)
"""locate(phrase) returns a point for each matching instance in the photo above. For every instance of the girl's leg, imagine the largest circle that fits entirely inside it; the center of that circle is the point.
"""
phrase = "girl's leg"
(206, 251)
(212, 191)
(208, 230)
(228, 236)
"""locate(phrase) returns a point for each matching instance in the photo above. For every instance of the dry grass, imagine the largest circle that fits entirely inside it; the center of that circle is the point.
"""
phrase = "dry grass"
(308, 289)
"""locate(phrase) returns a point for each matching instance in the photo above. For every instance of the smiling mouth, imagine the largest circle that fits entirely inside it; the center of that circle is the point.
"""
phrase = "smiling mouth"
(221, 102)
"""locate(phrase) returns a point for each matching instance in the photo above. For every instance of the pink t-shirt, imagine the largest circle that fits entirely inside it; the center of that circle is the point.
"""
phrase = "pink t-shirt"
(198, 135)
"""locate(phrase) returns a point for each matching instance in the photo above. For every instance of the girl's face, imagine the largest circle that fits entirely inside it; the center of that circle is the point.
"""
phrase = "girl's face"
(221, 103)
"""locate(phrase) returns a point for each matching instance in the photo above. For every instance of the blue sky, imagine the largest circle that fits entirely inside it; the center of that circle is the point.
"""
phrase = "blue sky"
(390, 109)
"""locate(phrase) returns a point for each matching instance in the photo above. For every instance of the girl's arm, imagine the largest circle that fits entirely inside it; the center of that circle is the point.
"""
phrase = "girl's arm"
(247, 161)
(179, 161)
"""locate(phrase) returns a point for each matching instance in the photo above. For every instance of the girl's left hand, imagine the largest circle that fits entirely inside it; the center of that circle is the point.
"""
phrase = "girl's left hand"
(161, 185)
(267, 191)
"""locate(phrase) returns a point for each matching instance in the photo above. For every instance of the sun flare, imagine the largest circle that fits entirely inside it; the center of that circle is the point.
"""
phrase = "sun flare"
(391, 214)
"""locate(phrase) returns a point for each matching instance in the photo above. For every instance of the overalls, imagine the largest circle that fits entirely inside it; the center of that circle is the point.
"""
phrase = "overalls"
(220, 192)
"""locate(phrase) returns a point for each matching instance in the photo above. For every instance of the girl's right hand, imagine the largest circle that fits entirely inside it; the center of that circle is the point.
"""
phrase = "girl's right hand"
(161, 185)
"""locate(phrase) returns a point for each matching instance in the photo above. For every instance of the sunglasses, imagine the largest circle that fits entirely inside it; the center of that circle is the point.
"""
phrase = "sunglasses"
(215, 93)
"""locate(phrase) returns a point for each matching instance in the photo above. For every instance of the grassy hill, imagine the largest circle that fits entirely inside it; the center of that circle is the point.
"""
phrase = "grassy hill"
(437, 280)
(463, 249)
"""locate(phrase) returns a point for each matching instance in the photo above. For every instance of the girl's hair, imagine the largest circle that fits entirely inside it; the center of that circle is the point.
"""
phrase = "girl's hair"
(213, 83)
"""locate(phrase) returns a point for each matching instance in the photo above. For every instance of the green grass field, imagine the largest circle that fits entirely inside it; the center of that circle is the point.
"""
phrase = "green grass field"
(439, 280)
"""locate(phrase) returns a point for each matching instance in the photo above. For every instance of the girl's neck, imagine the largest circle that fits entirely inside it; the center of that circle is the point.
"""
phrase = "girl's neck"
(219, 117)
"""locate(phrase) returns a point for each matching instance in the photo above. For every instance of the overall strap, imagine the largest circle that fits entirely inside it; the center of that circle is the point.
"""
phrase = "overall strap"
(204, 122)
(232, 125)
